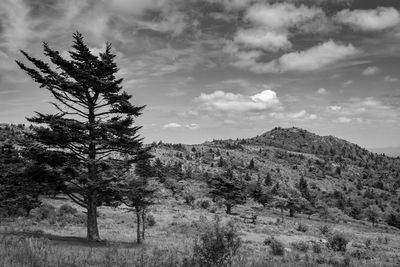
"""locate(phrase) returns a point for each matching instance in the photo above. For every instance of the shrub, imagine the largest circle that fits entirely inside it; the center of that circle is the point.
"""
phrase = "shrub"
(45, 211)
(384, 240)
(302, 227)
(325, 230)
(217, 246)
(3, 213)
(317, 248)
(189, 199)
(277, 247)
(393, 220)
(300, 246)
(205, 204)
(368, 243)
(338, 242)
(66, 209)
(150, 220)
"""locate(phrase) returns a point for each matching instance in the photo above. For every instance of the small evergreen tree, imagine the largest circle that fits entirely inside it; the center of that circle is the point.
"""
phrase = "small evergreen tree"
(251, 164)
(18, 193)
(138, 195)
(229, 189)
(268, 180)
(303, 188)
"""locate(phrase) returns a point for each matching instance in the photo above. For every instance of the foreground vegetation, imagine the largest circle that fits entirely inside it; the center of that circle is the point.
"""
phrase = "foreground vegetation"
(181, 235)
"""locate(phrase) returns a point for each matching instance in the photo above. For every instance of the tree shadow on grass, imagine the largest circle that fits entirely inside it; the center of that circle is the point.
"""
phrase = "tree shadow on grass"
(71, 240)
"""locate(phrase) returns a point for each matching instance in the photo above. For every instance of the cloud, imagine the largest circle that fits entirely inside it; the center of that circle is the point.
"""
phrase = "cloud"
(271, 26)
(347, 83)
(174, 23)
(363, 110)
(174, 125)
(232, 4)
(175, 92)
(230, 102)
(334, 108)
(301, 115)
(343, 120)
(391, 79)
(378, 19)
(282, 16)
(314, 58)
(262, 39)
(136, 7)
(370, 71)
(321, 91)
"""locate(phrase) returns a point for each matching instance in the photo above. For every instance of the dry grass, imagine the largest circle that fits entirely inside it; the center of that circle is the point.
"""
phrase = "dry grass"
(26, 242)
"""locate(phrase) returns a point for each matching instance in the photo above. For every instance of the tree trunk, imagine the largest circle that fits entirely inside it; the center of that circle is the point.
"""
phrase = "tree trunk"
(138, 235)
(92, 228)
(143, 223)
(228, 208)
(291, 212)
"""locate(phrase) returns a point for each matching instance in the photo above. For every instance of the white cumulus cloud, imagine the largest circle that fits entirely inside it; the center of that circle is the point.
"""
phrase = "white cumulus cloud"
(378, 19)
(230, 102)
(370, 71)
(263, 39)
(311, 59)
(301, 115)
(174, 125)
(321, 91)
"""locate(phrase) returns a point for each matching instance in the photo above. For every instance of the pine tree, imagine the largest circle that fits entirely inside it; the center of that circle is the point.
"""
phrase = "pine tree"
(303, 188)
(93, 126)
(268, 180)
(251, 164)
(18, 193)
(229, 189)
(137, 195)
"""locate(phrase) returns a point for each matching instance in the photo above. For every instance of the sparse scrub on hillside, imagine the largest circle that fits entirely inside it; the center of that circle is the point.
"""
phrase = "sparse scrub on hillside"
(217, 246)
(325, 230)
(301, 227)
(338, 241)
(300, 246)
(277, 247)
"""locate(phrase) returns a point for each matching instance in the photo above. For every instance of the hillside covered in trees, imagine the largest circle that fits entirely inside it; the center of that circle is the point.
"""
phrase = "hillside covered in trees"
(324, 175)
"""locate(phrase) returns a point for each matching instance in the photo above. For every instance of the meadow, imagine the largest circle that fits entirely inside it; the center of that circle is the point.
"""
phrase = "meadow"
(174, 228)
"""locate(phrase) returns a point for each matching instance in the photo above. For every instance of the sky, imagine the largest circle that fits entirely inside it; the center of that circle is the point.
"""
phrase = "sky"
(219, 69)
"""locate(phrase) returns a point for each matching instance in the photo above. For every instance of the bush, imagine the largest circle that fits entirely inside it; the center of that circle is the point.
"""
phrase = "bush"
(368, 243)
(338, 242)
(189, 199)
(217, 246)
(317, 248)
(301, 246)
(66, 210)
(150, 220)
(393, 220)
(277, 247)
(325, 230)
(72, 219)
(302, 227)
(205, 204)
(45, 211)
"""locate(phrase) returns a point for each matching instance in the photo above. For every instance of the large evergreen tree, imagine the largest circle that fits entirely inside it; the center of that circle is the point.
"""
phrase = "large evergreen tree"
(92, 130)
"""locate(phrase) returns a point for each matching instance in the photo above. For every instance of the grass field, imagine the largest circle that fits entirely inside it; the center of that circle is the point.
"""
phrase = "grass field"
(33, 242)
